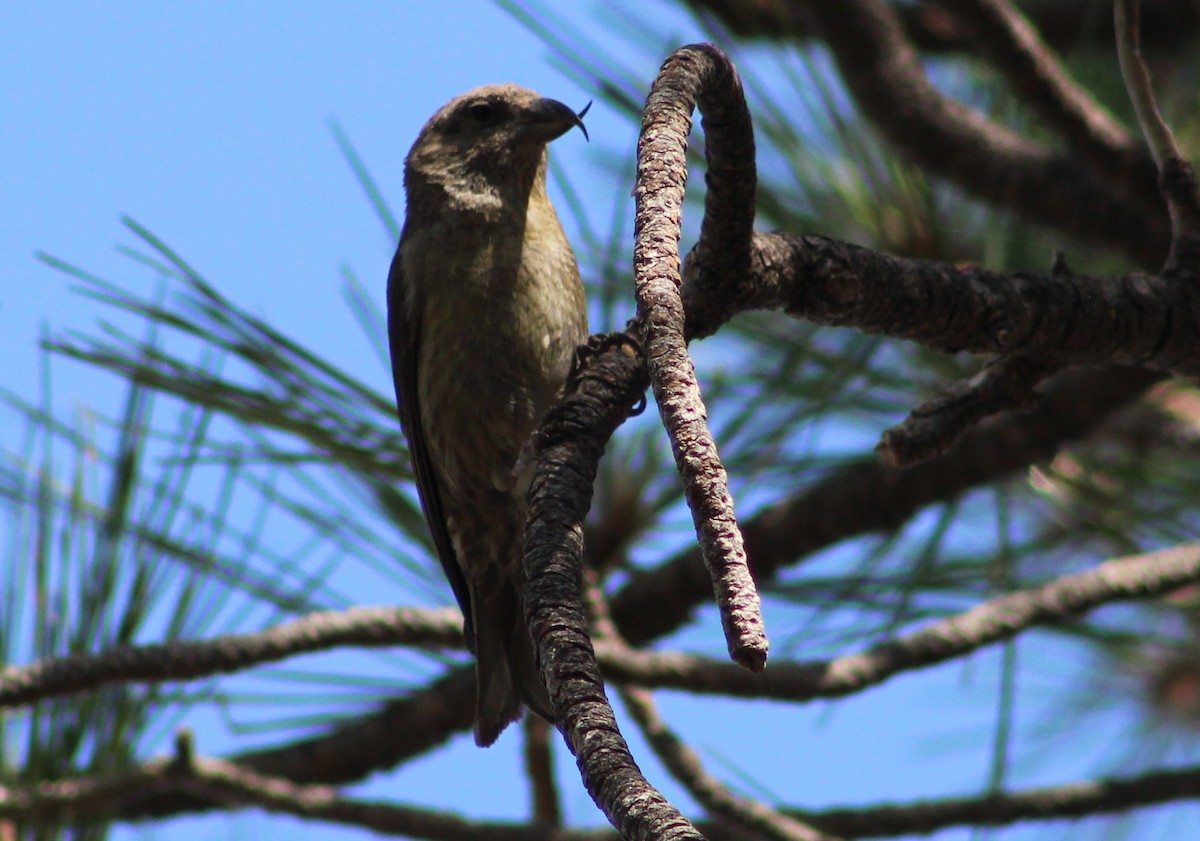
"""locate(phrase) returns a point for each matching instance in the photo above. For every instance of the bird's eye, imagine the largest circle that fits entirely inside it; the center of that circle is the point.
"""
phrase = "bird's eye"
(482, 112)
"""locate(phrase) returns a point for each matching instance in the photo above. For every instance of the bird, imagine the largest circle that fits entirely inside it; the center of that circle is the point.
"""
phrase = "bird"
(485, 311)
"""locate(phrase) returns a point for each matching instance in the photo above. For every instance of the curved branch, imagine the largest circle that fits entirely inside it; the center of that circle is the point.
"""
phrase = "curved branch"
(699, 74)
(568, 447)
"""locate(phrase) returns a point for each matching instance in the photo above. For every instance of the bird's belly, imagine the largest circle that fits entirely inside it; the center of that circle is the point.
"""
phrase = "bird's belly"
(483, 393)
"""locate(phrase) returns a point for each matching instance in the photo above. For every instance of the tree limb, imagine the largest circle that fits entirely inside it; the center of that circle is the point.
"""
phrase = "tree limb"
(701, 75)
(998, 620)
(984, 158)
(361, 626)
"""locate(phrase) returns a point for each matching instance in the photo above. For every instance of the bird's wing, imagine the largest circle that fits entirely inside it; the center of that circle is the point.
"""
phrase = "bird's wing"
(404, 330)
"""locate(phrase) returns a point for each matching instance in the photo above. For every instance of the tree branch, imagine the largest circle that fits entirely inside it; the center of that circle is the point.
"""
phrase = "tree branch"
(568, 447)
(1013, 47)
(986, 159)
(94, 797)
(1075, 800)
(998, 620)
(361, 626)
(697, 75)
(1134, 319)
(1177, 179)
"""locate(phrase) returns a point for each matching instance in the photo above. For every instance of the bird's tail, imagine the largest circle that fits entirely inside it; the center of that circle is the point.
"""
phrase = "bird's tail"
(506, 673)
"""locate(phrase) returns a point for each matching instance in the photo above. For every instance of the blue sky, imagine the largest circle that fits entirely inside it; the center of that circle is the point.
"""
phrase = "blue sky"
(207, 123)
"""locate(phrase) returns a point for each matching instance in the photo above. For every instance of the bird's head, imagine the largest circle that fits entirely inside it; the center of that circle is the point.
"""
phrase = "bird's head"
(488, 138)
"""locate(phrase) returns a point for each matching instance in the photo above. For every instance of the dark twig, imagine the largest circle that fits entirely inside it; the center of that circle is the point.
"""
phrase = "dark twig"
(1005, 36)
(695, 75)
(1177, 178)
(360, 626)
(568, 449)
(938, 423)
(539, 766)
(1137, 82)
(1124, 579)
(986, 159)
(1064, 24)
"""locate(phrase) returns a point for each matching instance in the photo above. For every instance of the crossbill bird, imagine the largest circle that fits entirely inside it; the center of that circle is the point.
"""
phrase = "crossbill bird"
(485, 310)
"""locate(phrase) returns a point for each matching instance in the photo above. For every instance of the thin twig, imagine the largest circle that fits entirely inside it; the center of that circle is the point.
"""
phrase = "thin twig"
(1006, 37)
(1137, 83)
(1073, 800)
(539, 767)
(1177, 178)
(932, 427)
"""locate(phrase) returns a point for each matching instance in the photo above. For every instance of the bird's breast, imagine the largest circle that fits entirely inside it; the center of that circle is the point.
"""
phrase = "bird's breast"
(501, 312)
